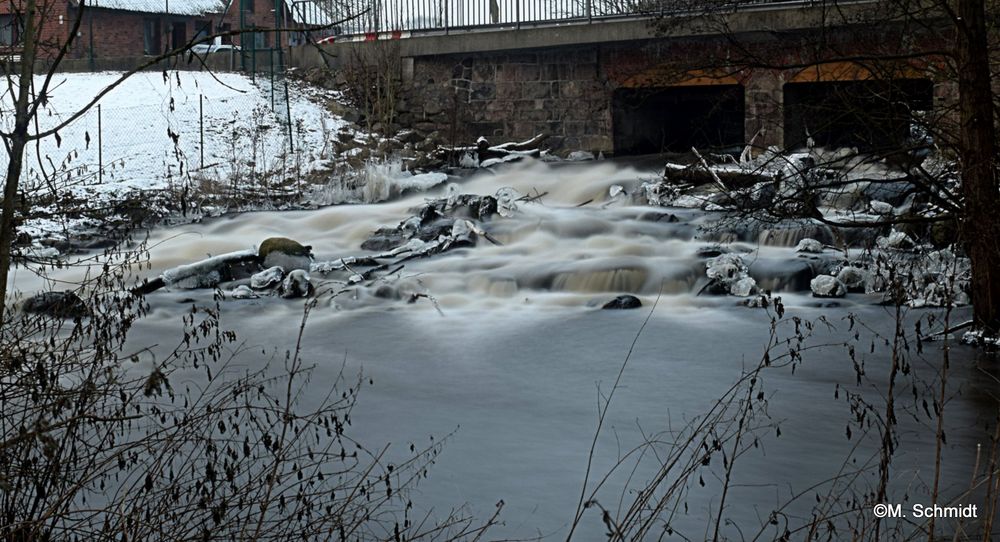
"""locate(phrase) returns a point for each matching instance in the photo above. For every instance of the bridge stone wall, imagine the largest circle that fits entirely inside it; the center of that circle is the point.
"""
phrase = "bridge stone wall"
(512, 95)
(565, 92)
(508, 85)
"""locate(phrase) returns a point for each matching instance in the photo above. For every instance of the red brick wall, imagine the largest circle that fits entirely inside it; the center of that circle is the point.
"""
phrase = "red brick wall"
(119, 34)
(261, 16)
(53, 23)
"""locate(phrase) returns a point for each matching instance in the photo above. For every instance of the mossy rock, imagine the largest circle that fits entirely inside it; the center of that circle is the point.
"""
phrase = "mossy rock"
(944, 233)
(283, 245)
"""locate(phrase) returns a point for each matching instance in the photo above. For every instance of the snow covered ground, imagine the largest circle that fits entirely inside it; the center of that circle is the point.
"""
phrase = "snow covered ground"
(157, 132)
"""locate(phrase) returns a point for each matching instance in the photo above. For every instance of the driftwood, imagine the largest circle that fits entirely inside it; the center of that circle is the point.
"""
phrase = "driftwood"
(484, 151)
(729, 176)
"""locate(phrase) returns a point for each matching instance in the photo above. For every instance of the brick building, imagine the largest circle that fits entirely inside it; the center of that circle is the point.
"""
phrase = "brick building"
(130, 29)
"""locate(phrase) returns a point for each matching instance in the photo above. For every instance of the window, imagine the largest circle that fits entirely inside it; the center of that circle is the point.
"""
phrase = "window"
(178, 35)
(10, 30)
(247, 5)
(151, 36)
(260, 39)
(202, 29)
(223, 29)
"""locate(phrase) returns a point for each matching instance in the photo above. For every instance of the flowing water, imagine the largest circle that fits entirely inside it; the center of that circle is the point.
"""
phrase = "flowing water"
(512, 351)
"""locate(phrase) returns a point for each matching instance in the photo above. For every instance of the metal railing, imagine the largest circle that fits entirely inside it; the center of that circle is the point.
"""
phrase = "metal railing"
(371, 17)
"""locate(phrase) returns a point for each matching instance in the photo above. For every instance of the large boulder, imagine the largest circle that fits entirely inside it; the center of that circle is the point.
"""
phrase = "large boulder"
(284, 252)
(64, 304)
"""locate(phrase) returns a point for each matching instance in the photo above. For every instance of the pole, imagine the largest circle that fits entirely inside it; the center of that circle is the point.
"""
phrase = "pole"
(288, 113)
(100, 147)
(201, 128)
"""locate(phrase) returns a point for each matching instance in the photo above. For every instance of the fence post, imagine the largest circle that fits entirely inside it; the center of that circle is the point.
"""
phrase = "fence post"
(201, 128)
(517, 10)
(288, 113)
(590, 17)
(100, 147)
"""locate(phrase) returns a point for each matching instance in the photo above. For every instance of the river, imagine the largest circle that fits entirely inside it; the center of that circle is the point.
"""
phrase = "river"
(509, 351)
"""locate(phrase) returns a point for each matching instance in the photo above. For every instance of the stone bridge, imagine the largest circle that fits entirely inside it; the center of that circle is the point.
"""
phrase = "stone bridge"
(641, 84)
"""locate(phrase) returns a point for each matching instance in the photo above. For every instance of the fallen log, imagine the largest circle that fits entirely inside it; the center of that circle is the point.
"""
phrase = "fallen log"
(205, 273)
(483, 151)
(728, 175)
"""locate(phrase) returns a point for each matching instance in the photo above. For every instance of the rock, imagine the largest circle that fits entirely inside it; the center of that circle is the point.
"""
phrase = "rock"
(711, 251)
(853, 278)
(408, 136)
(268, 278)
(827, 286)
(384, 239)
(810, 246)
(725, 267)
(881, 207)
(243, 292)
(462, 232)
(623, 302)
(782, 274)
(743, 287)
(656, 216)
(896, 239)
(944, 233)
(473, 206)
(288, 261)
(63, 304)
(283, 245)
(296, 284)
(580, 156)
(207, 273)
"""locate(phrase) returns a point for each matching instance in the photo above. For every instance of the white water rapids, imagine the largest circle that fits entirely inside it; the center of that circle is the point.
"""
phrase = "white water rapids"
(516, 355)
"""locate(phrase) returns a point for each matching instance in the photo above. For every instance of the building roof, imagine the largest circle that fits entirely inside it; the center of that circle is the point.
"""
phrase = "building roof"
(172, 7)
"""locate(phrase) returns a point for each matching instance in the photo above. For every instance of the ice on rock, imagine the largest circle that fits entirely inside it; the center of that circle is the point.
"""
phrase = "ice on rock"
(204, 274)
(467, 160)
(725, 267)
(743, 287)
(881, 207)
(462, 230)
(853, 278)
(688, 201)
(810, 246)
(827, 286)
(896, 239)
(267, 278)
(580, 156)
(243, 292)
(730, 271)
(507, 201)
(296, 284)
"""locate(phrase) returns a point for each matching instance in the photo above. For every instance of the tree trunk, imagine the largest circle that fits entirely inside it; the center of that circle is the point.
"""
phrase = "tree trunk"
(18, 141)
(981, 221)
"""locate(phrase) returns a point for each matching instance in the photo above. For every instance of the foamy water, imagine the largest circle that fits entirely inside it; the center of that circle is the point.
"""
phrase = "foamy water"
(514, 351)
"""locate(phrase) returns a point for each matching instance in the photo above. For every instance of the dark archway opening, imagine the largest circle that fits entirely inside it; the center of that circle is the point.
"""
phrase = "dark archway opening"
(869, 115)
(674, 119)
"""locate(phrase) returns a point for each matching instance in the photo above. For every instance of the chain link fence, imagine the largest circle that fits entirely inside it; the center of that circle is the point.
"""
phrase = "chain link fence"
(240, 141)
